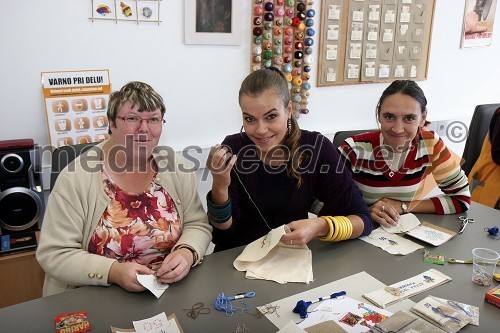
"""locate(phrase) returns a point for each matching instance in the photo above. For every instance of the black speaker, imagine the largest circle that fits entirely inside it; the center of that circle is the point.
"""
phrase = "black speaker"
(22, 201)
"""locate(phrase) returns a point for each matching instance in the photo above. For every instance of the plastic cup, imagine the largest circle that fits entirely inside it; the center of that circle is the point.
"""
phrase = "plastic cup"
(484, 262)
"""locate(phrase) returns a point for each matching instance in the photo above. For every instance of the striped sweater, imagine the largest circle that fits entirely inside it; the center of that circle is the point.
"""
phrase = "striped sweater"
(428, 162)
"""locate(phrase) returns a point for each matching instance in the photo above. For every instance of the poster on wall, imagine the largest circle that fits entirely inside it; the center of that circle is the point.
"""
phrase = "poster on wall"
(75, 106)
(479, 17)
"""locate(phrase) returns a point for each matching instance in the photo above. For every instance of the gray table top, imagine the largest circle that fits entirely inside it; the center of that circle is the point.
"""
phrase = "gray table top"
(114, 306)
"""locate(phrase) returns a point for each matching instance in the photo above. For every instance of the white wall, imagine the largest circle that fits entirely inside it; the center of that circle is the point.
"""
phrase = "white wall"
(200, 82)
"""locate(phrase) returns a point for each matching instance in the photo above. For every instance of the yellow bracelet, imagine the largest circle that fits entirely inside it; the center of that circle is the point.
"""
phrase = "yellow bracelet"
(330, 232)
(348, 226)
(349, 223)
(336, 230)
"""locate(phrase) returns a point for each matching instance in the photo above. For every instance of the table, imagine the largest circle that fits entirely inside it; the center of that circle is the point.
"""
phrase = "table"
(114, 306)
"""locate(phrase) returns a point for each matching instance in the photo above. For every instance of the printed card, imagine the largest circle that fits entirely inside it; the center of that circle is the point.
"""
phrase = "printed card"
(431, 233)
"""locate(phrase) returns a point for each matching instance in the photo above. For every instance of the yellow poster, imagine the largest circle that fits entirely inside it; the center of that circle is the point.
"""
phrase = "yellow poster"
(75, 106)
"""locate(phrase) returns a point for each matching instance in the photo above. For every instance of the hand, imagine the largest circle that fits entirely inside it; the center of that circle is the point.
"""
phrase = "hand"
(302, 231)
(386, 212)
(220, 163)
(124, 275)
(175, 266)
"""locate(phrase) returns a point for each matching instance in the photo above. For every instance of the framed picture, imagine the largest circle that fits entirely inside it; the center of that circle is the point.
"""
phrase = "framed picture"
(212, 22)
(479, 17)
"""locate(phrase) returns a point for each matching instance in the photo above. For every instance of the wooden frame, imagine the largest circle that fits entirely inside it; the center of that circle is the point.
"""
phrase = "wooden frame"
(196, 33)
(373, 55)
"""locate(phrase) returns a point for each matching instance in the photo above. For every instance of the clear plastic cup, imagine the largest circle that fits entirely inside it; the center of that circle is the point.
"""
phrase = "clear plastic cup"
(484, 262)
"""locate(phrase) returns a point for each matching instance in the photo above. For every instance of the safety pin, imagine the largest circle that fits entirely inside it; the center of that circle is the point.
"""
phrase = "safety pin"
(465, 220)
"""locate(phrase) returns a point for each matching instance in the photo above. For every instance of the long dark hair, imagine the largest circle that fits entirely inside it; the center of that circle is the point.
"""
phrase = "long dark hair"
(272, 78)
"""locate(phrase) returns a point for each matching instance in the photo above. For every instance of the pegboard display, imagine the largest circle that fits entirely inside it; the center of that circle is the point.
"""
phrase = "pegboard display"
(282, 37)
(365, 41)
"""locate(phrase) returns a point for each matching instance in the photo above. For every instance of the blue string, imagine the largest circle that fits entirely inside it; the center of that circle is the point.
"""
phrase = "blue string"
(223, 303)
(301, 307)
(493, 231)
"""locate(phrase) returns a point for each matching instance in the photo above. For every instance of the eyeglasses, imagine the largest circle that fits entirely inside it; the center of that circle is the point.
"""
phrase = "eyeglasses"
(137, 121)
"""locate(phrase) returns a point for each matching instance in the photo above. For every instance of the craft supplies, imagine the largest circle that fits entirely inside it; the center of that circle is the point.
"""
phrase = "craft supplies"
(223, 303)
(465, 220)
(196, 310)
(483, 265)
(75, 322)
(433, 257)
(494, 232)
(442, 314)
(492, 296)
(301, 307)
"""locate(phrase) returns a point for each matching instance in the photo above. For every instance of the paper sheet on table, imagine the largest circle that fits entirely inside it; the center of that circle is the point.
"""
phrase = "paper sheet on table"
(150, 282)
(351, 315)
(355, 286)
(406, 223)
(268, 259)
(390, 242)
(156, 324)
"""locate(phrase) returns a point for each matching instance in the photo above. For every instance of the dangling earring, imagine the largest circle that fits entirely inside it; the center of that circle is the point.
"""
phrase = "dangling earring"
(288, 126)
(241, 129)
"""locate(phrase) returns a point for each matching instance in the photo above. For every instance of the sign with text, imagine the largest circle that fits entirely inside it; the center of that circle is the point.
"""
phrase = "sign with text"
(75, 106)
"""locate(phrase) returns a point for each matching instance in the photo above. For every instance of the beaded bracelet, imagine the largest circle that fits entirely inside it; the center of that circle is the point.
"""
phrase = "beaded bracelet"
(218, 213)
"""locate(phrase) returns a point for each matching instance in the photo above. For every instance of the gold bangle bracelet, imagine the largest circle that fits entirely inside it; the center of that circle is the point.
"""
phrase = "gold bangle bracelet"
(330, 225)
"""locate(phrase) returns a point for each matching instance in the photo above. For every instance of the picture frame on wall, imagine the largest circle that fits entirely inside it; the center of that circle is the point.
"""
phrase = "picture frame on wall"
(479, 18)
(212, 22)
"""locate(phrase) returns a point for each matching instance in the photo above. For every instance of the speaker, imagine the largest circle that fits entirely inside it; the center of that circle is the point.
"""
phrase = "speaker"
(22, 201)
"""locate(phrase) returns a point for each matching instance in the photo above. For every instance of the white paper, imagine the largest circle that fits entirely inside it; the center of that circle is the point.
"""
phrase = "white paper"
(152, 284)
(291, 327)
(406, 223)
(391, 243)
(156, 324)
(430, 235)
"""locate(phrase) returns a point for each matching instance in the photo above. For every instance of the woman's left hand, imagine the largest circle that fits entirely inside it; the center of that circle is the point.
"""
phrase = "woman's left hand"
(175, 266)
(386, 211)
(302, 231)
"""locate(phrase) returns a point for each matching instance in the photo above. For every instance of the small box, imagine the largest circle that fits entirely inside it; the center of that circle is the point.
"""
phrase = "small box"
(492, 296)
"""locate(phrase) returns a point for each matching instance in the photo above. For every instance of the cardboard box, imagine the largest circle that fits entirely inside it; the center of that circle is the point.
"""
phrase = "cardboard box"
(492, 296)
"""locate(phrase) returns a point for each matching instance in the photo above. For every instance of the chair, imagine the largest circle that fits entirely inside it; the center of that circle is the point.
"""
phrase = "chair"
(340, 136)
(64, 155)
(478, 129)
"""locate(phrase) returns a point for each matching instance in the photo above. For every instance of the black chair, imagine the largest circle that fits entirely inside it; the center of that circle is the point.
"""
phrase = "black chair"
(340, 136)
(64, 155)
(478, 129)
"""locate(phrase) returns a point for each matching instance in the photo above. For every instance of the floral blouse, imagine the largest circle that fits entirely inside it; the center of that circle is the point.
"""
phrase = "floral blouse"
(136, 227)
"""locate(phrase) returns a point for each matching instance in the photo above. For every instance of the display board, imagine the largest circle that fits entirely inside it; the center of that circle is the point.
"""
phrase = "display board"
(363, 41)
(75, 105)
(282, 37)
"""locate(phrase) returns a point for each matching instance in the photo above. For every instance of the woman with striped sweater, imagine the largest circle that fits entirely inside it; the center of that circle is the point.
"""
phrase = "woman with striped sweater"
(398, 166)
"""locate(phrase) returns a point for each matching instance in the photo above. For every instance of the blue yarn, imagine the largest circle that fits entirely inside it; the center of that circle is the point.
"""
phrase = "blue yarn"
(493, 231)
(223, 303)
(301, 307)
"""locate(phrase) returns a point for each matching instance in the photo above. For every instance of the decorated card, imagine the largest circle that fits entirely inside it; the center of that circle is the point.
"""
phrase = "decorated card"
(431, 233)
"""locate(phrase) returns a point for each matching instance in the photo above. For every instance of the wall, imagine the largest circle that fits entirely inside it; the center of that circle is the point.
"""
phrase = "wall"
(200, 82)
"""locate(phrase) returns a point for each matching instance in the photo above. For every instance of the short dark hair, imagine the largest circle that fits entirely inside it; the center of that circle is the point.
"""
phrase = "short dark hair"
(405, 87)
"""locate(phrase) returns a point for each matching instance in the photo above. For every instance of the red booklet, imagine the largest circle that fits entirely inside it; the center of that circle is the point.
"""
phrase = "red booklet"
(492, 296)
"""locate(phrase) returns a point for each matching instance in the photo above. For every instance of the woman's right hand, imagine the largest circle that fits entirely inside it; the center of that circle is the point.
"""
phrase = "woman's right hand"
(124, 275)
(220, 162)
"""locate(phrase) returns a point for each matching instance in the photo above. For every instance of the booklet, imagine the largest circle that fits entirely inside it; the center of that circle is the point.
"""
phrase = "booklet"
(431, 233)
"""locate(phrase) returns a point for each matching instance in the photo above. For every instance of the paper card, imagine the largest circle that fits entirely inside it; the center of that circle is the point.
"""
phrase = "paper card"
(391, 243)
(152, 284)
(407, 288)
(431, 234)
(291, 327)
(406, 223)
(158, 324)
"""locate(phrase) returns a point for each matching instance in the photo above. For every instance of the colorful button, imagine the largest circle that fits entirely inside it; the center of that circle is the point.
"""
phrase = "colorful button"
(277, 32)
(304, 93)
(299, 35)
(257, 20)
(255, 67)
(288, 21)
(311, 13)
(308, 50)
(289, 12)
(268, 26)
(268, 16)
(278, 50)
(309, 22)
(287, 59)
(295, 22)
(257, 31)
(278, 60)
(268, 54)
(297, 81)
(268, 35)
(257, 40)
(277, 41)
(268, 63)
(298, 55)
(301, 16)
(288, 40)
(309, 41)
(256, 50)
(280, 11)
(304, 111)
(299, 45)
(302, 26)
(307, 69)
(308, 60)
(306, 86)
(290, 3)
(258, 10)
(269, 6)
(280, 2)
(288, 49)
(305, 76)
(279, 22)
(297, 63)
(268, 45)
(288, 31)
(301, 6)
(295, 90)
(297, 98)
(310, 32)
(257, 59)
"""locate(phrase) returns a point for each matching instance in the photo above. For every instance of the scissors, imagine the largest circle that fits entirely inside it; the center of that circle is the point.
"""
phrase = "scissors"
(465, 220)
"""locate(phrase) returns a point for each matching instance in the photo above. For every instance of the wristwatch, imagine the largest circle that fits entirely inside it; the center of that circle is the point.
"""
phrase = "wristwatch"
(404, 207)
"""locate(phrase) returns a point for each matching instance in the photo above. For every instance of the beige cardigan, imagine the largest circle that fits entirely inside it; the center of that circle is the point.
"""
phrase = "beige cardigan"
(76, 205)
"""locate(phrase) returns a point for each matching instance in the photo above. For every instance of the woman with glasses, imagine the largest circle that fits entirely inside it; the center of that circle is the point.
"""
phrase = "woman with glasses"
(271, 174)
(124, 207)
(398, 167)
